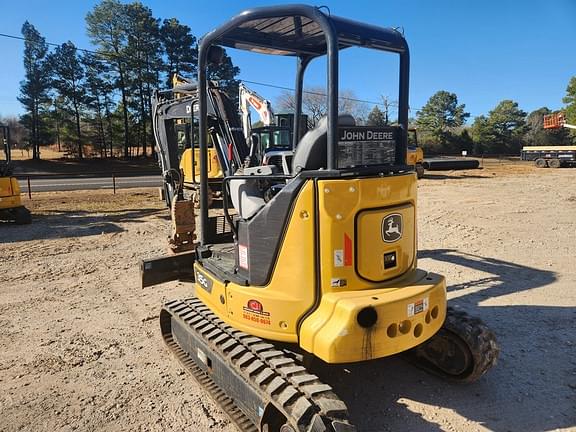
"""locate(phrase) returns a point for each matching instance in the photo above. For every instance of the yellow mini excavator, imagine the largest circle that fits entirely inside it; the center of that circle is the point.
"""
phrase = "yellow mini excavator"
(319, 263)
(11, 207)
(174, 122)
(415, 153)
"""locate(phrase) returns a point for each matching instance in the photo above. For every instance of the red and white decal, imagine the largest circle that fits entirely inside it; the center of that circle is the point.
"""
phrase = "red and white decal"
(417, 307)
(255, 306)
(254, 311)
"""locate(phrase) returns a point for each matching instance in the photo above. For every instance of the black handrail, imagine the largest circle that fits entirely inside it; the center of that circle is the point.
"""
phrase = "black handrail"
(237, 33)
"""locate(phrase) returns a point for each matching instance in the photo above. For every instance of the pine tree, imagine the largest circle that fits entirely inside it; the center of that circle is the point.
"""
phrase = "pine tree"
(143, 52)
(34, 88)
(98, 101)
(180, 48)
(570, 101)
(376, 117)
(507, 121)
(225, 73)
(68, 75)
(501, 131)
(106, 27)
(440, 115)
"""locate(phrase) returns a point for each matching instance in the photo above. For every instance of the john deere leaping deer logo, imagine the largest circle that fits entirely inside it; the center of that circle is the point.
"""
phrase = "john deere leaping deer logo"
(392, 228)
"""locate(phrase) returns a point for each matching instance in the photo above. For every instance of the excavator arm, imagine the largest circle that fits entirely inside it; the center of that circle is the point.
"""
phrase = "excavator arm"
(249, 98)
(173, 112)
(178, 105)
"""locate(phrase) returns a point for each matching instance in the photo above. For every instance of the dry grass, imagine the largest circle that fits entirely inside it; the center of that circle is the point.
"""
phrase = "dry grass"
(101, 201)
(50, 152)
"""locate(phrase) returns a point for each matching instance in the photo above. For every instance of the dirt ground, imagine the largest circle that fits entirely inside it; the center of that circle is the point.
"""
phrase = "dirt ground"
(80, 347)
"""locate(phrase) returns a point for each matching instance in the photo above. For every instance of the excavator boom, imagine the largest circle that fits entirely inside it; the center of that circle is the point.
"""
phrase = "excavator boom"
(249, 98)
(172, 109)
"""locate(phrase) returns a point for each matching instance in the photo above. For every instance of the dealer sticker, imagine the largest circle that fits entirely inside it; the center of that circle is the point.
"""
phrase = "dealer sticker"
(417, 307)
(254, 311)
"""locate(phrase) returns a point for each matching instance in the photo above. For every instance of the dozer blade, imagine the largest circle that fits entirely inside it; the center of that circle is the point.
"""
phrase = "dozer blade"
(260, 387)
(462, 350)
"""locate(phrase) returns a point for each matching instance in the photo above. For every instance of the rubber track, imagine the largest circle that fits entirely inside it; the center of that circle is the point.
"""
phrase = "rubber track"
(307, 403)
(475, 334)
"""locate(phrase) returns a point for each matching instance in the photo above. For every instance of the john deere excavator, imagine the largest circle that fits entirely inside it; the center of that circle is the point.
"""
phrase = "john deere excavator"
(174, 122)
(320, 263)
(11, 207)
(415, 155)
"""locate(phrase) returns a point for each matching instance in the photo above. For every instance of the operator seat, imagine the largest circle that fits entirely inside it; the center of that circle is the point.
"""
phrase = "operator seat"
(311, 153)
(246, 196)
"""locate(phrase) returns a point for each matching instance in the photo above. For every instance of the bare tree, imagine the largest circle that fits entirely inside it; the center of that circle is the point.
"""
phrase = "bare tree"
(387, 105)
(315, 103)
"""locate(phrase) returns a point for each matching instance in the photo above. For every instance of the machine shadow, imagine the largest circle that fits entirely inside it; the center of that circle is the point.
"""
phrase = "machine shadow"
(379, 393)
(77, 223)
(502, 277)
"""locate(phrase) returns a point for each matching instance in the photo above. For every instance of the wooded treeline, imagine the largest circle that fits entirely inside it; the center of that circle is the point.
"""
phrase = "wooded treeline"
(442, 122)
(442, 128)
(101, 100)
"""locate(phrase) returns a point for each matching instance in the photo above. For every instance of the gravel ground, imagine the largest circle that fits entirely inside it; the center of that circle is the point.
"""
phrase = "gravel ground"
(80, 347)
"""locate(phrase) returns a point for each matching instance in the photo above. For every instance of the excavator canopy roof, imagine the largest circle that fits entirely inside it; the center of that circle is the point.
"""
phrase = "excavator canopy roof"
(302, 32)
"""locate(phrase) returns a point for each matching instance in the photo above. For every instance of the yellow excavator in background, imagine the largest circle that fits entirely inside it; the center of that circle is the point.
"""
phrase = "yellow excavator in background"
(174, 121)
(188, 144)
(11, 207)
(415, 156)
(320, 263)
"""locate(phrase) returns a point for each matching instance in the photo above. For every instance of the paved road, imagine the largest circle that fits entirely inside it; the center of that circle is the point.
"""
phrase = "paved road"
(84, 183)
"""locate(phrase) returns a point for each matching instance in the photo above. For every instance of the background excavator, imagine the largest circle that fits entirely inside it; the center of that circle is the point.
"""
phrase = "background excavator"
(317, 264)
(270, 143)
(415, 154)
(11, 207)
(174, 122)
(173, 117)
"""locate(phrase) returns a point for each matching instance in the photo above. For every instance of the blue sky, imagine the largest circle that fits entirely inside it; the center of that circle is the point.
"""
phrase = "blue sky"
(484, 51)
